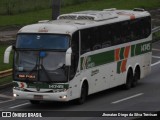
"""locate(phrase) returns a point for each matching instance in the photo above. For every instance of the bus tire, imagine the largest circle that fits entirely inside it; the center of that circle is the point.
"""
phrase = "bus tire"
(129, 80)
(84, 93)
(136, 76)
(34, 102)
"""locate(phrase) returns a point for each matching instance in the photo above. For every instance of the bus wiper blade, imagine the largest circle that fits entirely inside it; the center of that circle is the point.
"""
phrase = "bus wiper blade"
(45, 72)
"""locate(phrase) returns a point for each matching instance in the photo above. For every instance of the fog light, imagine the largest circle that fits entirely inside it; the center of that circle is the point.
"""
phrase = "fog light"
(63, 97)
(14, 95)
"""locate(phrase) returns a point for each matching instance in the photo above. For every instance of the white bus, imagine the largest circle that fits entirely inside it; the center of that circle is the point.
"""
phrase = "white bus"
(80, 54)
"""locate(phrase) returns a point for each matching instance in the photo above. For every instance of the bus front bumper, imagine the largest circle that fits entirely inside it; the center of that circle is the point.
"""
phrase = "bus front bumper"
(58, 96)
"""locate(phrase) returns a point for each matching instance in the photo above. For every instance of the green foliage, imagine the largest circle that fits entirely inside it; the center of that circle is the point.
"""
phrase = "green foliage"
(5, 80)
(45, 14)
(10, 7)
(156, 36)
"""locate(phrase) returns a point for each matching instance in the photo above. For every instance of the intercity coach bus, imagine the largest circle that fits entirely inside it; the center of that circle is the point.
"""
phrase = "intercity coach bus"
(81, 53)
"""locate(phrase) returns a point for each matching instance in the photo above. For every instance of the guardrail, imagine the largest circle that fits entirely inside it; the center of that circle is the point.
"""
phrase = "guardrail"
(5, 73)
(156, 29)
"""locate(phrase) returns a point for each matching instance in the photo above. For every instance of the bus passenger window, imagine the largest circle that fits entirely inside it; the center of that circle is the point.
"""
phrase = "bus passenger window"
(106, 44)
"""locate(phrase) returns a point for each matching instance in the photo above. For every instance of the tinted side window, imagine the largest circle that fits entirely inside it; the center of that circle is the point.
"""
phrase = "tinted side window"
(147, 26)
(140, 28)
(86, 40)
(114, 34)
(95, 38)
(75, 54)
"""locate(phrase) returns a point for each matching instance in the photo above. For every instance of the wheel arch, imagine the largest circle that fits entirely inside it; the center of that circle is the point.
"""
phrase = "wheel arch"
(137, 66)
(129, 68)
(84, 81)
(128, 81)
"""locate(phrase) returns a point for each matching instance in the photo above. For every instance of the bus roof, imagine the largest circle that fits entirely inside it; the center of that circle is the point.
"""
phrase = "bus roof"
(69, 23)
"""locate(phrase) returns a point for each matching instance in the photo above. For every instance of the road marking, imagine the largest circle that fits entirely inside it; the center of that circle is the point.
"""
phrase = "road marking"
(156, 63)
(6, 101)
(155, 49)
(6, 96)
(19, 105)
(156, 57)
(133, 96)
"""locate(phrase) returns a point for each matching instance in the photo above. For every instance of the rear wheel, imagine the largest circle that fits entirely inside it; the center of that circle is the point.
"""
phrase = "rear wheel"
(136, 77)
(129, 80)
(84, 93)
(35, 102)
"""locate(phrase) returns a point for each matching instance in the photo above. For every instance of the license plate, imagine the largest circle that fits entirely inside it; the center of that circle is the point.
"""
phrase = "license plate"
(38, 97)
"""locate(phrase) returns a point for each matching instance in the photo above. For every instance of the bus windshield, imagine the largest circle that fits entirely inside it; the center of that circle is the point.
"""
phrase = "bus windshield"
(43, 57)
(42, 41)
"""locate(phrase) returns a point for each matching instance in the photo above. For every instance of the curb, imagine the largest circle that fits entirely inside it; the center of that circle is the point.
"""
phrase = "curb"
(6, 85)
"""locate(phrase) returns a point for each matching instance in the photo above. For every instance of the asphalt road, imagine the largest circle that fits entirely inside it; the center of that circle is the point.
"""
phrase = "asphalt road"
(144, 97)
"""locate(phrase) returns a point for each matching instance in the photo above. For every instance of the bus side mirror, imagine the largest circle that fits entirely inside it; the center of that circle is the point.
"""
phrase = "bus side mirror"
(7, 54)
(68, 57)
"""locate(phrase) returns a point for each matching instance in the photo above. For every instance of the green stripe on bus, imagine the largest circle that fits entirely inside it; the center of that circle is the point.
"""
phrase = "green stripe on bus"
(122, 53)
(47, 86)
(109, 56)
(133, 50)
(143, 48)
(98, 59)
(44, 85)
(119, 67)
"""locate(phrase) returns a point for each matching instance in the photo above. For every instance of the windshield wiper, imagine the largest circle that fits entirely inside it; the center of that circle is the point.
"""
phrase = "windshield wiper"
(45, 72)
(37, 69)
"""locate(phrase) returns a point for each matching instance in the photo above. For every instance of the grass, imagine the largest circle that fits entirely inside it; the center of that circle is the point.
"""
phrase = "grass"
(2, 65)
(156, 36)
(10, 7)
(5, 80)
(34, 16)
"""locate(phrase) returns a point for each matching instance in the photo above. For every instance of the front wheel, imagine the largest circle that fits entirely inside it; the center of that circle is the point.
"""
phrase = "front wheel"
(84, 93)
(129, 80)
